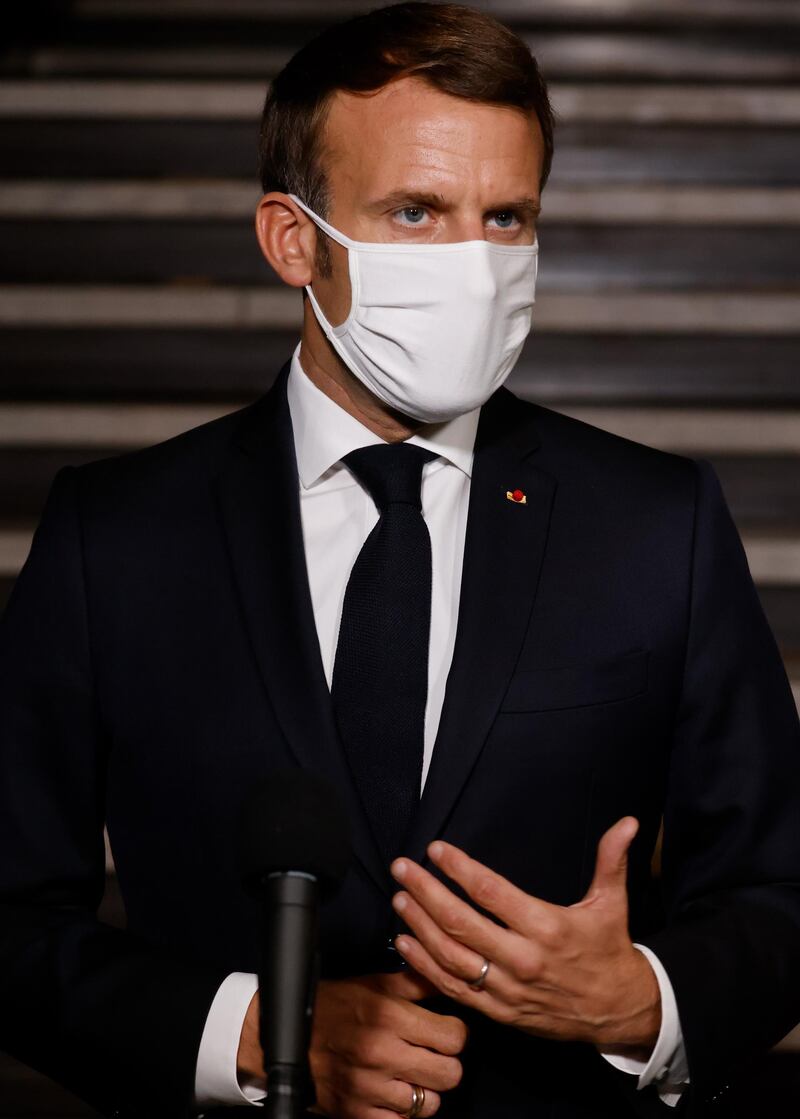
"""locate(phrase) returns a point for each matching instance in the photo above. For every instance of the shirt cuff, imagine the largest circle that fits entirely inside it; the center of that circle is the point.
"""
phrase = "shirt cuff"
(216, 1078)
(667, 1066)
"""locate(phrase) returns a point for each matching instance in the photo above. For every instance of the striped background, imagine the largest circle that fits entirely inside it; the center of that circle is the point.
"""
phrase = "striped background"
(134, 302)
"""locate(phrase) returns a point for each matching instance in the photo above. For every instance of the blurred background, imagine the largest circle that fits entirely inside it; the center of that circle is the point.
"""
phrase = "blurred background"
(134, 302)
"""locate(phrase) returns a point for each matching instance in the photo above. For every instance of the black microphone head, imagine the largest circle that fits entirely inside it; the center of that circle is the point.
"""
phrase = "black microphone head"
(293, 820)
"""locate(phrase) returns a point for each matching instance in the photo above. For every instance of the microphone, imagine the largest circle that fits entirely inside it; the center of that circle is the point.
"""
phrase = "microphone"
(294, 851)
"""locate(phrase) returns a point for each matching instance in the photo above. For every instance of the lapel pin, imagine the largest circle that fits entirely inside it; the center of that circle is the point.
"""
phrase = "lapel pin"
(518, 496)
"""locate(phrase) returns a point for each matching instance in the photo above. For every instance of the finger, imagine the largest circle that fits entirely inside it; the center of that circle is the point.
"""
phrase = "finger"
(433, 1102)
(455, 917)
(443, 1033)
(611, 863)
(430, 1106)
(418, 1065)
(386, 1094)
(451, 955)
(383, 1052)
(362, 1092)
(448, 984)
(382, 1113)
(491, 891)
(406, 984)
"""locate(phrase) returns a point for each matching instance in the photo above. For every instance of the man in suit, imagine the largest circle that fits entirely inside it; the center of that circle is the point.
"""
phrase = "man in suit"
(548, 632)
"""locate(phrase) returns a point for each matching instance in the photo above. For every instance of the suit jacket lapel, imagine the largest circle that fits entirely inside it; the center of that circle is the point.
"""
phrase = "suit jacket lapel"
(503, 552)
(258, 495)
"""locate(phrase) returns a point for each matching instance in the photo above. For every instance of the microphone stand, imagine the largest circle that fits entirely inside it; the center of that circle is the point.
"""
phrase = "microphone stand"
(289, 972)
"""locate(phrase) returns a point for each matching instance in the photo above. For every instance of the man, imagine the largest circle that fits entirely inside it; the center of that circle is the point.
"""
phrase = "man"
(391, 571)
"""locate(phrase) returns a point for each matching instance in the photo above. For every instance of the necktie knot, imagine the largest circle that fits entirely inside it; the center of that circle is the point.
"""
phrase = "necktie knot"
(392, 472)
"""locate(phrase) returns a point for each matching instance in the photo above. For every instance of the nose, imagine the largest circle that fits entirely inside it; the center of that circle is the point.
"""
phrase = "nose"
(481, 282)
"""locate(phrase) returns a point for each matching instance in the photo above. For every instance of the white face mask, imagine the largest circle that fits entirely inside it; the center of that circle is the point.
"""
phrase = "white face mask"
(433, 330)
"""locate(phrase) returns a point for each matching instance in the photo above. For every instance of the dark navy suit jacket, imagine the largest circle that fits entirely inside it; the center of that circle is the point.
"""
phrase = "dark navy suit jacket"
(159, 654)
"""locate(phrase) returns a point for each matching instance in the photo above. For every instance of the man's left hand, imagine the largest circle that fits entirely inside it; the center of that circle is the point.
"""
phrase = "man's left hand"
(564, 972)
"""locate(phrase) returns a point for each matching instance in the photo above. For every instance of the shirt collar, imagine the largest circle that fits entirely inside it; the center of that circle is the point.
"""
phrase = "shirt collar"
(324, 432)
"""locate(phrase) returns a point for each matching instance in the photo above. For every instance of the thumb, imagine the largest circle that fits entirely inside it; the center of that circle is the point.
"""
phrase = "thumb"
(407, 984)
(611, 864)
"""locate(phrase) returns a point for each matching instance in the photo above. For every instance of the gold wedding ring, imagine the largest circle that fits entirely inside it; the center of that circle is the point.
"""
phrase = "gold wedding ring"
(417, 1102)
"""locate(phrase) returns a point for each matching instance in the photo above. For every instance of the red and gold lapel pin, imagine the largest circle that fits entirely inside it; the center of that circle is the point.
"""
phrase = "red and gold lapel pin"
(518, 496)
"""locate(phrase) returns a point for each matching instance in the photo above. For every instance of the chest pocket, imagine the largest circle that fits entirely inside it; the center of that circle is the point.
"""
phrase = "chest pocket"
(578, 685)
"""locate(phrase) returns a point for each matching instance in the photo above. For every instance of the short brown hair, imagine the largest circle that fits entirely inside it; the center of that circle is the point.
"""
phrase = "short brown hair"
(455, 48)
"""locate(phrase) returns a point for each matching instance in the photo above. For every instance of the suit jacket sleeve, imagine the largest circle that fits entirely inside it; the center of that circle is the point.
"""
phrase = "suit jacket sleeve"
(110, 1016)
(731, 845)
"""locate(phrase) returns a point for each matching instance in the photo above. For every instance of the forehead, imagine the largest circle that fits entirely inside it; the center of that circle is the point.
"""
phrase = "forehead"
(409, 128)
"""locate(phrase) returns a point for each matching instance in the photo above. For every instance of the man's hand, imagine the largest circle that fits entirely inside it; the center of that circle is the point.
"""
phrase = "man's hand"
(370, 1042)
(568, 972)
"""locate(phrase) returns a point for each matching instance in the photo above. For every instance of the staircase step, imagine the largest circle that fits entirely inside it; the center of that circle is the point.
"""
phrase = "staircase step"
(155, 364)
(107, 149)
(763, 490)
(661, 54)
(574, 103)
(705, 431)
(49, 200)
(199, 305)
(574, 258)
(513, 12)
(625, 154)
(557, 368)
(585, 153)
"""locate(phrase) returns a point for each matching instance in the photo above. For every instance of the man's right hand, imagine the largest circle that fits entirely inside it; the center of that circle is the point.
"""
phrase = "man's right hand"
(370, 1042)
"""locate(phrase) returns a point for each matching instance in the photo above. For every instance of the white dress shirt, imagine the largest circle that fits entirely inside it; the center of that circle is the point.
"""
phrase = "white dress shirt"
(337, 515)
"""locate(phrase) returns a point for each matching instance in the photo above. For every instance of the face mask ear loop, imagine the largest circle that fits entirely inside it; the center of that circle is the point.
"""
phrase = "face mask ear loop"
(322, 318)
(341, 238)
(330, 330)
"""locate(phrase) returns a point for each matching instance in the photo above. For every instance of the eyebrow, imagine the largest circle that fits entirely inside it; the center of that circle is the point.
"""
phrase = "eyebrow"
(527, 205)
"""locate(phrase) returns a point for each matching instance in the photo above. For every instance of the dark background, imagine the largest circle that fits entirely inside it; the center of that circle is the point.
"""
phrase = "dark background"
(134, 302)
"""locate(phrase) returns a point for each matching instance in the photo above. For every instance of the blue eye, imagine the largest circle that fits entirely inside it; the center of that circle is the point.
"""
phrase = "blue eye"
(418, 210)
(509, 214)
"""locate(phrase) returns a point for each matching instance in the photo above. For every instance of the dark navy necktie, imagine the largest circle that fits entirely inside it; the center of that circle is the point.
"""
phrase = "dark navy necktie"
(379, 686)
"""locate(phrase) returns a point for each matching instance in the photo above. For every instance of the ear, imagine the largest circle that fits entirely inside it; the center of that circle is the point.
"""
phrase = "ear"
(287, 238)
